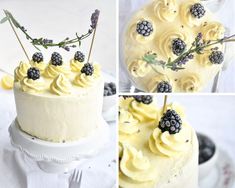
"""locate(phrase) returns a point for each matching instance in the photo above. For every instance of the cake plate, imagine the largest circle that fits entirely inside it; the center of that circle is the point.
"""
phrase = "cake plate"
(59, 157)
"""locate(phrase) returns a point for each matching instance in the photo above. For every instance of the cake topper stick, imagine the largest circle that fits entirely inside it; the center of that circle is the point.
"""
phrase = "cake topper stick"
(164, 105)
(94, 22)
(18, 38)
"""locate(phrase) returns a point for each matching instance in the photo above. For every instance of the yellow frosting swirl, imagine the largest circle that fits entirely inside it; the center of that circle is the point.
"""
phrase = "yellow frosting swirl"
(83, 80)
(60, 85)
(190, 83)
(164, 41)
(212, 31)
(21, 71)
(203, 59)
(52, 71)
(97, 70)
(167, 144)
(166, 10)
(143, 112)
(32, 86)
(135, 166)
(127, 123)
(152, 86)
(41, 65)
(75, 65)
(136, 36)
(139, 68)
(186, 15)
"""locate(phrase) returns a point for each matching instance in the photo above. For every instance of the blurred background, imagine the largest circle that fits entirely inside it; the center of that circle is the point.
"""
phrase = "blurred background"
(58, 19)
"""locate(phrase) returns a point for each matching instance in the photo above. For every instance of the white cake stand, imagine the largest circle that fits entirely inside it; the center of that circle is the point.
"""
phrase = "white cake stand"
(59, 157)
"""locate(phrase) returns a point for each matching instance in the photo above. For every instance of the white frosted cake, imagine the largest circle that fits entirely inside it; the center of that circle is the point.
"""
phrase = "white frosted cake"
(156, 150)
(58, 102)
(168, 28)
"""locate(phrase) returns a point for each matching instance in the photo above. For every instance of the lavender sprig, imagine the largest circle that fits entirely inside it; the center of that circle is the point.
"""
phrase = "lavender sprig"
(198, 46)
(45, 42)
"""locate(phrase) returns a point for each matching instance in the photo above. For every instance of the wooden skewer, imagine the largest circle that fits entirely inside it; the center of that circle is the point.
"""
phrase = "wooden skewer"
(92, 42)
(18, 38)
(164, 105)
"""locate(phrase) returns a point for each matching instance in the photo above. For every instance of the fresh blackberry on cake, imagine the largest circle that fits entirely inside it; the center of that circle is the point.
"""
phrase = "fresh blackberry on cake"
(56, 59)
(170, 122)
(178, 46)
(146, 99)
(37, 57)
(216, 57)
(87, 69)
(197, 10)
(164, 87)
(79, 56)
(144, 28)
(33, 73)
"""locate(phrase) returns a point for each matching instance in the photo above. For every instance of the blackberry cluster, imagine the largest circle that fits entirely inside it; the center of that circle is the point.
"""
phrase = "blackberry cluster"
(56, 59)
(206, 148)
(164, 87)
(109, 89)
(37, 57)
(216, 57)
(79, 56)
(87, 69)
(197, 10)
(146, 99)
(170, 122)
(33, 73)
(144, 28)
(178, 46)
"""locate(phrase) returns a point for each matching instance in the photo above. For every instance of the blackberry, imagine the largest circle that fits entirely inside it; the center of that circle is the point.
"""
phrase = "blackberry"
(37, 57)
(178, 46)
(146, 99)
(79, 56)
(33, 73)
(170, 122)
(144, 28)
(109, 89)
(87, 69)
(164, 87)
(216, 57)
(197, 10)
(56, 59)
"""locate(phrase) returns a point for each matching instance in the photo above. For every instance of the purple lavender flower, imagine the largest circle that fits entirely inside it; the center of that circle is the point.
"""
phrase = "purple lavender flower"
(94, 18)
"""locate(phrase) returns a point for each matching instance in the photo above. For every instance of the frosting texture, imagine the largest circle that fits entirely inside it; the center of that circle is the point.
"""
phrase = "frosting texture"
(60, 85)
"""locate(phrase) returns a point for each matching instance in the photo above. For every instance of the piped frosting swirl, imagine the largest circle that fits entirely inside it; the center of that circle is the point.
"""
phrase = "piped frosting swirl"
(21, 71)
(52, 71)
(60, 85)
(32, 86)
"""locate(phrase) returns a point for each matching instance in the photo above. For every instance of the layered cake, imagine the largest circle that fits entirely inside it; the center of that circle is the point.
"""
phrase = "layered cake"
(58, 101)
(157, 147)
(168, 29)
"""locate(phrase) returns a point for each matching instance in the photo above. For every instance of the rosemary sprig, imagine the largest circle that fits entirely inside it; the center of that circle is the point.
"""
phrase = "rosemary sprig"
(198, 46)
(66, 44)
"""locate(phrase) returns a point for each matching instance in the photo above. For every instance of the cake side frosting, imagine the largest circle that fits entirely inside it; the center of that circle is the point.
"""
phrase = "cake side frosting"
(173, 158)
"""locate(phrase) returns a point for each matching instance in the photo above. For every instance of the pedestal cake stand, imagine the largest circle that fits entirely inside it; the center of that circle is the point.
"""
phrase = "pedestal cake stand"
(59, 157)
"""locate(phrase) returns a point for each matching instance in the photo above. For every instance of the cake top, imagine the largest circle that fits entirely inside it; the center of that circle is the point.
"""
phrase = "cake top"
(56, 77)
(169, 31)
(152, 142)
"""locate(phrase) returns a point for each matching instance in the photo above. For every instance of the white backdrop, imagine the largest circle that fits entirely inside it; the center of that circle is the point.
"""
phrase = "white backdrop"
(59, 19)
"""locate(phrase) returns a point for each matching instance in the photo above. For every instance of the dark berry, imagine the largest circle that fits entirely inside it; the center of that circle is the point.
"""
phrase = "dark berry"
(37, 57)
(126, 96)
(197, 10)
(178, 46)
(33, 73)
(87, 69)
(164, 87)
(109, 89)
(170, 122)
(216, 57)
(79, 56)
(144, 28)
(146, 99)
(56, 59)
